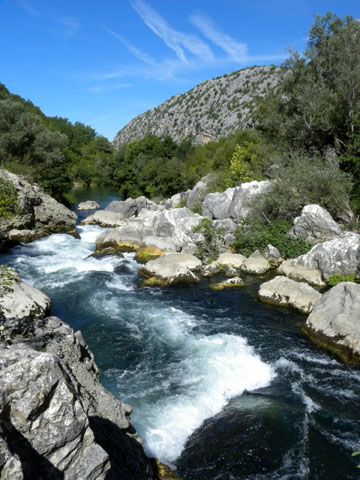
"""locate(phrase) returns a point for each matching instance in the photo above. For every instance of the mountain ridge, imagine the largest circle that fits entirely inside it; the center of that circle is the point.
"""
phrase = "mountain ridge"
(209, 111)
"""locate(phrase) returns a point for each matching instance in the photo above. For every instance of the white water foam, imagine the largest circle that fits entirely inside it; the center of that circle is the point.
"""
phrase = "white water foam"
(208, 372)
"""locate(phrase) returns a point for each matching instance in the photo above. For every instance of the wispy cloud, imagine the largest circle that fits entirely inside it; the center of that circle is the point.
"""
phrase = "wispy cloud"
(237, 51)
(29, 8)
(109, 88)
(177, 41)
(139, 54)
(60, 24)
(69, 25)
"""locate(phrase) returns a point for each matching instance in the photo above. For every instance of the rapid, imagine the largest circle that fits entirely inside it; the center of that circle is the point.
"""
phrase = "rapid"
(223, 387)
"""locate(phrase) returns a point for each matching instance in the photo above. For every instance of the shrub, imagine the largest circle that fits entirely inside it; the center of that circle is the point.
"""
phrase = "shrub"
(256, 235)
(8, 199)
(339, 277)
(301, 180)
(207, 250)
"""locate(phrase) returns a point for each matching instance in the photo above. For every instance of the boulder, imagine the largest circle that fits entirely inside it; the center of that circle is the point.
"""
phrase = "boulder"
(284, 291)
(56, 419)
(175, 200)
(196, 196)
(37, 213)
(315, 224)
(19, 300)
(40, 404)
(88, 205)
(255, 264)
(126, 208)
(227, 259)
(340, 255)
(229, 283)
(123, 239)
(150, 252)
(170, 269)
(334, 322)
(216, 205)
(163, 243)
(226, 225)
(273, 255)
(244, 196)
(105, 219)
(302, 274)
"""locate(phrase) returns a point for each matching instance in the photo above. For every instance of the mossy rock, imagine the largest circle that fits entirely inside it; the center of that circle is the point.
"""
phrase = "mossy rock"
(106, 251)
(231, 283)
(163, 472)
(155, 282)
(119, 246)
(145, 254)
(345, 354)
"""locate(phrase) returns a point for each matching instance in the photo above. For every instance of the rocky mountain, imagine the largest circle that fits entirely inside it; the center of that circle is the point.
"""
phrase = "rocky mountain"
(211, 110)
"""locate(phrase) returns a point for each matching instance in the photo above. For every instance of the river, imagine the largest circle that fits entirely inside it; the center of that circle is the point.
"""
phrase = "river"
(223, 386)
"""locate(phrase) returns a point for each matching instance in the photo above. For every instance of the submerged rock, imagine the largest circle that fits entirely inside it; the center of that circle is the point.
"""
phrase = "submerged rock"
(229, 283)
(88, 205)
(334, 322)
(37, 213)
(284, 291)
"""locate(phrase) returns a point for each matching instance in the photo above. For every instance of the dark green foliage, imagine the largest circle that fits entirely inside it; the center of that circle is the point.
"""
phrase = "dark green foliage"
(300, 180)
(8, 199)
(207, 250)
(256, 235)
(338, 278)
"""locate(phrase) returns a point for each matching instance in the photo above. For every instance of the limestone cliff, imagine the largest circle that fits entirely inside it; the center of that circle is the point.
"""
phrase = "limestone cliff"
(211, 110)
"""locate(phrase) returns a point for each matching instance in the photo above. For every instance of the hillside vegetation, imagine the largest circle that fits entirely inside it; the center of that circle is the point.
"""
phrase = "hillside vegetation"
(212, 110)
(303, 134)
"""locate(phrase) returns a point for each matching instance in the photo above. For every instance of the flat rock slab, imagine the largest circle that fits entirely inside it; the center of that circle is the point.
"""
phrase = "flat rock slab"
(171, 268)
(105, 219)
(88, 205)
(284, 291)
(302, 274)
(335, 321)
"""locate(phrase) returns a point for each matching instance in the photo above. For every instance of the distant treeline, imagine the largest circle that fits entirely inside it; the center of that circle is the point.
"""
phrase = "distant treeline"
(306, 138)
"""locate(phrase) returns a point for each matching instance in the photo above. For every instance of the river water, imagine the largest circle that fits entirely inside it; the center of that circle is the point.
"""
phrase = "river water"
(223, 386)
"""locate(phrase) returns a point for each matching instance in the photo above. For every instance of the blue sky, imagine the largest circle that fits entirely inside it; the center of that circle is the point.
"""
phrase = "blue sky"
(104, 62)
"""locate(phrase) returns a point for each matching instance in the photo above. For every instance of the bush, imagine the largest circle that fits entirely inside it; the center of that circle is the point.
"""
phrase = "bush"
(256, 235)
(207, 250)
(8, 199)
(339, 277)
(302, 180)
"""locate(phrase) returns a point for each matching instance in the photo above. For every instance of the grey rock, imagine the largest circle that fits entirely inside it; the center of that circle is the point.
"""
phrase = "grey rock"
(315, 224)
(273, 255)
(335, 320)
(37, 212)
(88, 205)
(227, 259)
(256, 264)
(244, 196)
(284, 291)
(216, 205)
(126, 208)
(229, 283)
(105, 219)
(227, 225)
(341, 255)
(299, 273)
(172, 268)
(53, 410)
(200, 190)
(22, 301)
(191, 115)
